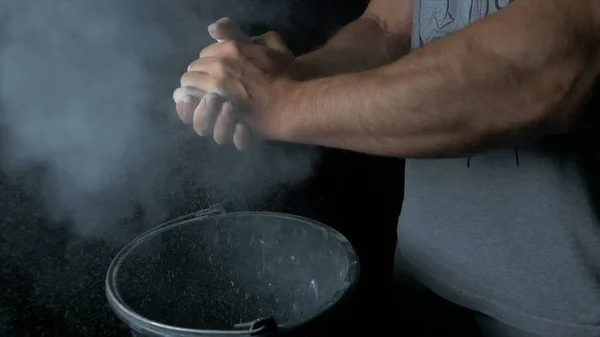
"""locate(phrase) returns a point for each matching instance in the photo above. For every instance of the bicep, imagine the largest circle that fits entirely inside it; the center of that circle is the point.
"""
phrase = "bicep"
(393, 16)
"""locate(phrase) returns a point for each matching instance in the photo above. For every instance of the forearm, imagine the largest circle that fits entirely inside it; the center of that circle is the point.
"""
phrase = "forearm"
(498, 81)
(359, 46)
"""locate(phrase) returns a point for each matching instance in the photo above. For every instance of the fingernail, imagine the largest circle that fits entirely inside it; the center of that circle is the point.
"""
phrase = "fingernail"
(227, 109)
(215, 27)
(227, 113)
(189, 104)
(211, 99)
(186, 101)
(239, 127)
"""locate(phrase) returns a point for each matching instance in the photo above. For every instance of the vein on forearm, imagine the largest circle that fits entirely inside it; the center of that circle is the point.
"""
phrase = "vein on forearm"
(504, 78)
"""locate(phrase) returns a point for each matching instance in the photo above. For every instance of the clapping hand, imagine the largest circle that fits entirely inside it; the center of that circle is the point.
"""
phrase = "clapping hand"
(214, 93)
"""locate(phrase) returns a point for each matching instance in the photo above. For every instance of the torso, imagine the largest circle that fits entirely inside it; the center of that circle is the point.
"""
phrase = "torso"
(513, 232)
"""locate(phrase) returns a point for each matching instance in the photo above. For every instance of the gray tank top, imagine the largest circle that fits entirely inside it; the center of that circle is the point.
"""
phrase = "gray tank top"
(511, 233)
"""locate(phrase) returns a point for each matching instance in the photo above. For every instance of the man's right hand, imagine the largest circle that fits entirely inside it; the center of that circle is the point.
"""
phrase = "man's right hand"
(213, 115)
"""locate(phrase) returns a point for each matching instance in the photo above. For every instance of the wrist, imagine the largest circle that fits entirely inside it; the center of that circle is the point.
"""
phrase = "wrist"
(304, 70)
(281, 117)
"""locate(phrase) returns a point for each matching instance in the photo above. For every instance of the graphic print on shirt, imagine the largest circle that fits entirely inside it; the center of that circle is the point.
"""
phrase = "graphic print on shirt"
(439, 18)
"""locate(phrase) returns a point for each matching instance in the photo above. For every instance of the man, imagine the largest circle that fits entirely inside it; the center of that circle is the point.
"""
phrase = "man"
(497, 215)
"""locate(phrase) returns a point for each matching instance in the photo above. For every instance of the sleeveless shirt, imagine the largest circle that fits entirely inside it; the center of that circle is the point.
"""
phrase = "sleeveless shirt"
(512, 232)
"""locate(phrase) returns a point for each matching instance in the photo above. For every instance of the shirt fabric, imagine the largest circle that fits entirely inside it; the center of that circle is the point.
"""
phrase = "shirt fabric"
(512, 232)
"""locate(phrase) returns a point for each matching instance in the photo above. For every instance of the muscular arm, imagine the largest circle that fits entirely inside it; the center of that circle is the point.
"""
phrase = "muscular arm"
(522, 72)
(380, 36)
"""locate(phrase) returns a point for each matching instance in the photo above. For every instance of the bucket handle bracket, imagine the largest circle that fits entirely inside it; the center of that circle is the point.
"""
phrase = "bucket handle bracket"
(262, 326)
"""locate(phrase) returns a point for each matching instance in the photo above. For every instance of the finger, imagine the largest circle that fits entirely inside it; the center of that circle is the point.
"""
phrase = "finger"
(185, 109)
(272, 40)
(201, 81)
(181, 92)
(213, 65)
(224, 125)
(187, 99)
(206, 113)
(219, 70)
(224, 29)
(242, 136)
(229, 48)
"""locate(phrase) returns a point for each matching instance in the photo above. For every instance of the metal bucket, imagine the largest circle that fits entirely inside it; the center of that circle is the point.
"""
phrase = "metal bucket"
(214, 273)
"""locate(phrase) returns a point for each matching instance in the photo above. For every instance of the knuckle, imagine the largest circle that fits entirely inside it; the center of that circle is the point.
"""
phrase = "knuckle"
(271, 34)
(193, 65)
(220, 67)
(186, 78)
(204, 51)
(190, 79)
(224, 20)
(232, 48)
(208, 50)
(220, 83)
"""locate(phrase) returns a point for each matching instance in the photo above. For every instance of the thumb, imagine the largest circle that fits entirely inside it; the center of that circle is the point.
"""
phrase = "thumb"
(272, 40)
(224, 30)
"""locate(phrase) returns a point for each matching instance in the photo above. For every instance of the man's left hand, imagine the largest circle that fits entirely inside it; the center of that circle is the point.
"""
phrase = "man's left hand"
(250, 77)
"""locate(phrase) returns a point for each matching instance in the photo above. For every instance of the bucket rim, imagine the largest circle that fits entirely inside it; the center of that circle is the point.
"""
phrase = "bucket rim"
(140, 323)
